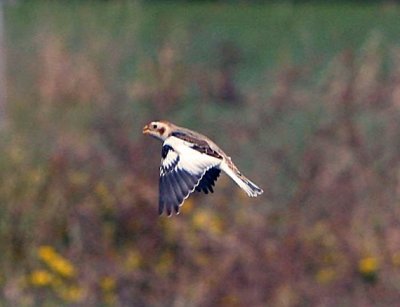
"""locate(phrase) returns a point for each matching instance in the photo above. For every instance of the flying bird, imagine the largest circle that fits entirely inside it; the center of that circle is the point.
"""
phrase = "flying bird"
(190, 161)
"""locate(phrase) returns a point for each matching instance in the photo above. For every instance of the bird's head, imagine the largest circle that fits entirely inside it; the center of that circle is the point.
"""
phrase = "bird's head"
(158, 129)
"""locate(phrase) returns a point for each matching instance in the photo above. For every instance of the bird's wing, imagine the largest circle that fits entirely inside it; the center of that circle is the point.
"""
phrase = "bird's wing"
(208, 181)
(198, 144)
(182, 168)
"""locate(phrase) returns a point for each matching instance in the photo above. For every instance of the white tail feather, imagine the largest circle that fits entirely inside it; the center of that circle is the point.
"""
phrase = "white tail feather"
(249, 187)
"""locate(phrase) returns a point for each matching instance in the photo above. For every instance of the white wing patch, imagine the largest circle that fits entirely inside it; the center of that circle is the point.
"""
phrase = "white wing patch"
(181, 171)
(169, 160)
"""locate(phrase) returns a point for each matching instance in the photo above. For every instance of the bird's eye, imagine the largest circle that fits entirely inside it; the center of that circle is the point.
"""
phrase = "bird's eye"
(154, 126)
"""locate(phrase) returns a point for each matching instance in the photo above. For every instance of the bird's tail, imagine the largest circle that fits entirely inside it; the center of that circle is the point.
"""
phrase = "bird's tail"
(249, 187)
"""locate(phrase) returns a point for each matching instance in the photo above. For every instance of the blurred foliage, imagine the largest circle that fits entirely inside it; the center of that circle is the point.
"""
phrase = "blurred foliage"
(305, 98)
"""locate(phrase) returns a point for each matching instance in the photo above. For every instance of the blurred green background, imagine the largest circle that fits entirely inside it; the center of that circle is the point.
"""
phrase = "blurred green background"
(305, 97)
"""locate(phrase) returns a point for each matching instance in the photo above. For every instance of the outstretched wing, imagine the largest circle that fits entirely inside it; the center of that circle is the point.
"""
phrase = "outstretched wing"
(208, 181)
(181, 171)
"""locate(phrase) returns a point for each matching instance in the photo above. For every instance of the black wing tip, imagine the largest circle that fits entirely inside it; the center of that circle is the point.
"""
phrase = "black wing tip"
(208, 181)
(169, 213)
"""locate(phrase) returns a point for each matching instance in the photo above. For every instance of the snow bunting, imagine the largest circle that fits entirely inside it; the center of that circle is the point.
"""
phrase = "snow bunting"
(190, 161)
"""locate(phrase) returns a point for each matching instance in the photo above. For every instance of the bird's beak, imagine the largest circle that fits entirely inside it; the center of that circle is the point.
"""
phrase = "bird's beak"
(146, 129)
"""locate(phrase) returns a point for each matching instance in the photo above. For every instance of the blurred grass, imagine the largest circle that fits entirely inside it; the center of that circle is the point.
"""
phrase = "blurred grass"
(305, 98)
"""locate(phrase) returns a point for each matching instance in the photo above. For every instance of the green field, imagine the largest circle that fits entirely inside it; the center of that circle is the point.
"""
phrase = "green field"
(304, 98)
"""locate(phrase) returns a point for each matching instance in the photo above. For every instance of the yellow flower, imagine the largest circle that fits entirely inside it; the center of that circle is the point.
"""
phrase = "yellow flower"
(46, 253)
(41, 278)
(56, 262)
(205, 221)
(108, 284)
(200, 219)
(133, 260)
(71, 293)
(368, 265)
(188, 206)
(325, 275)
(396, 259)
(63, 267)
